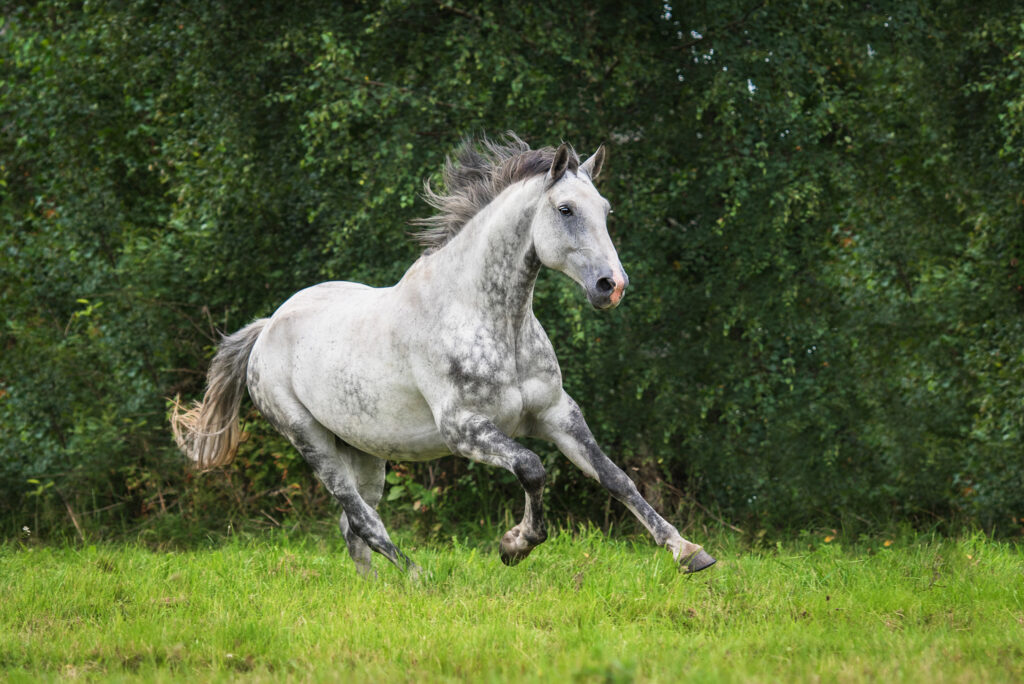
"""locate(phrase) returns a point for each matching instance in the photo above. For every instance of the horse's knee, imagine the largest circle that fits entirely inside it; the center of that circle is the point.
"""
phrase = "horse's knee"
(530, 473)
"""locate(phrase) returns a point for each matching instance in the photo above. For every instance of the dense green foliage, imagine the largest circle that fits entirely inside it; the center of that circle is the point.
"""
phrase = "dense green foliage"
(819, 206)
(582, 609)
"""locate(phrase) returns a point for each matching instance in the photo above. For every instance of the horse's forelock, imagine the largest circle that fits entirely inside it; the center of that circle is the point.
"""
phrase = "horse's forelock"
(480, 170)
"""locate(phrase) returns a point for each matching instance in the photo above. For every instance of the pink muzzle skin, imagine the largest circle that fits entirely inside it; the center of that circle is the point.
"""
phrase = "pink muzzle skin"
(620, 287)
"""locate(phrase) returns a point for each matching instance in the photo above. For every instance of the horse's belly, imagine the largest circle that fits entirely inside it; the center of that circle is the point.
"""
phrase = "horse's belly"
(370, 407)
(401, 433)
(397, 424)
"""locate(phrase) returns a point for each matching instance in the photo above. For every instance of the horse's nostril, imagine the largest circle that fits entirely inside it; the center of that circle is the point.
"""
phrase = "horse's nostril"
(605, 285)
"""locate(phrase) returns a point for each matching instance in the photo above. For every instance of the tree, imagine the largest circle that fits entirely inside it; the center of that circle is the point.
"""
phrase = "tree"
(818, 206)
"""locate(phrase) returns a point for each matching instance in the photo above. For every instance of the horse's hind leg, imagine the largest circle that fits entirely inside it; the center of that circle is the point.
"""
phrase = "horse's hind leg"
(369, 476)
(359, 550)
(349, 475)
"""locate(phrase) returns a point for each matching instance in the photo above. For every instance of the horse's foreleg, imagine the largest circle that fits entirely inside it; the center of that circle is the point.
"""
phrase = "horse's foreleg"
(480, 440)
(564, 425)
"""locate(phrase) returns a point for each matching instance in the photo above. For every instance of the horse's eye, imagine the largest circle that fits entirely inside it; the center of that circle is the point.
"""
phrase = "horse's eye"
(565, 210)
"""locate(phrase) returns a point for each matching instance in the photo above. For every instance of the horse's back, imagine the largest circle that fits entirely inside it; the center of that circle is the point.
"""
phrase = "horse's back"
(314, 301)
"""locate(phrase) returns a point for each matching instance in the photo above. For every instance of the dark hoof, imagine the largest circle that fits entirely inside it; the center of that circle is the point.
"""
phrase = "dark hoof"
(700, 561)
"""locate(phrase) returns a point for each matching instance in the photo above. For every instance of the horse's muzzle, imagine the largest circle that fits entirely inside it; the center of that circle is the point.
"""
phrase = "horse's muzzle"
(606, 291)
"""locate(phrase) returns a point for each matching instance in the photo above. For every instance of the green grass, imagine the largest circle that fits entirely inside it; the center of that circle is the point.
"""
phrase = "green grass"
(583, 608)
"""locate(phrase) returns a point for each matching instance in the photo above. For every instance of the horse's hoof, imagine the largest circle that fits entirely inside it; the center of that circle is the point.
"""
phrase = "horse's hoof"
(511, 559)
(511, 550)
(366, 571)
(700, 561)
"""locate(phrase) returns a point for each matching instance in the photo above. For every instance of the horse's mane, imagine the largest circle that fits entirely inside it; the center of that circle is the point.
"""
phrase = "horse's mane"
(481, 170)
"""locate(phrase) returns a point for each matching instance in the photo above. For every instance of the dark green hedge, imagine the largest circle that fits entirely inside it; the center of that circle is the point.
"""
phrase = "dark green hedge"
(819, 206)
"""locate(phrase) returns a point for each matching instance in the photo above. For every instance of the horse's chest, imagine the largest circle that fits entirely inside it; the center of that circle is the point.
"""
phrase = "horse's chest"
(495, 378)
(484, 375)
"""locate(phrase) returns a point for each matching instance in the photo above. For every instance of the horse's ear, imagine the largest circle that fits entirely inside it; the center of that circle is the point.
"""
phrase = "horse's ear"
(592, 167)
(559, 164)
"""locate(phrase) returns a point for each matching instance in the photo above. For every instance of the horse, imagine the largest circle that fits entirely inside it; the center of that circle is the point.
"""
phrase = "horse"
(450, 360)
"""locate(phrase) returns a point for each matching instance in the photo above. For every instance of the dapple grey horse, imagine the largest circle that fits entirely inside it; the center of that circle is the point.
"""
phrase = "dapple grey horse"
(450, 360)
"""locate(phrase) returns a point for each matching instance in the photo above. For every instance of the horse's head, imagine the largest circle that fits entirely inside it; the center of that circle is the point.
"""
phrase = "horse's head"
(570, 231)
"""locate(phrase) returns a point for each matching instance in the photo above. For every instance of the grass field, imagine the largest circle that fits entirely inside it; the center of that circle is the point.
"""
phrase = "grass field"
(582, 608)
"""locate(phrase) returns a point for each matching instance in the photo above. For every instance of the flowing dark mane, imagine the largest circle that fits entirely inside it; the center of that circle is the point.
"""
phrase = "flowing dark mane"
(481, 170)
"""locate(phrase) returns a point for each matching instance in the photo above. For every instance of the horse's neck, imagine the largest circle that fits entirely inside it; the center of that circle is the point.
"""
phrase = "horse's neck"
(492, 259)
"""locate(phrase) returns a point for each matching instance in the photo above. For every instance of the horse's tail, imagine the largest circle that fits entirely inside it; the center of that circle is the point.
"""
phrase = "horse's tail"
(208, 431)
